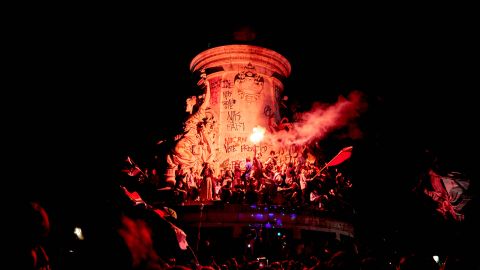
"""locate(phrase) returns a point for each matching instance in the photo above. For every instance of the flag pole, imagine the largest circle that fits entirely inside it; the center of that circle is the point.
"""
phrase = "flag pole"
(199, 226)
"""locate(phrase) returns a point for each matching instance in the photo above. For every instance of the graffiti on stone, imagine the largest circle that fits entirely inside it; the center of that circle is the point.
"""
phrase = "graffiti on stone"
(234, 122)
(249, 84)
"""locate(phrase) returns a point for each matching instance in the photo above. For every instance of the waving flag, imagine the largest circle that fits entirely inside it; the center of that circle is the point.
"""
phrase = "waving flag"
(450, 192)
(343, 155)
(179, 233)
(133, 169)
(133, 196)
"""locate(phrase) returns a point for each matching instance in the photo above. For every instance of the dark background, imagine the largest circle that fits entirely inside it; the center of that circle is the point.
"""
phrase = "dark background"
(91, 88)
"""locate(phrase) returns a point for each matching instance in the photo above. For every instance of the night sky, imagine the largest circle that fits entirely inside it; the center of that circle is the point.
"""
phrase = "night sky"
(102, 89)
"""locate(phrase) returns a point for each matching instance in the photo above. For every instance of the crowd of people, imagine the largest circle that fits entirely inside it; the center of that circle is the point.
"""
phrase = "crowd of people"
(139, 228)
(273, 182)
(141, 236)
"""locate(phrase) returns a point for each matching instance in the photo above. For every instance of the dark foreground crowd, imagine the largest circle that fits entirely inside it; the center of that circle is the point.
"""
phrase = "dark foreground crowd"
(133, 234)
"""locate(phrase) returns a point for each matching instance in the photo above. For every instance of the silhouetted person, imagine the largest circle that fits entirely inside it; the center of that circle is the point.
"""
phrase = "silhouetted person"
(33, 229)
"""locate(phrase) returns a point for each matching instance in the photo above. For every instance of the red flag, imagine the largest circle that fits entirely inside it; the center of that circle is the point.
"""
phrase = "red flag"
(343, 155)
(133, 169)
(133, 196)
(449, 192)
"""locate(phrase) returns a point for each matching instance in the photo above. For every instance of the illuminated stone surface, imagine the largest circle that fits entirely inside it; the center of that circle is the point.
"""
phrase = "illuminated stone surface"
(246, 87)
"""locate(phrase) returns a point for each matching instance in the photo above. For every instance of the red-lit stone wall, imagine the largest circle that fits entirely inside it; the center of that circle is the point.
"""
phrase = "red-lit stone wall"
(246, 87)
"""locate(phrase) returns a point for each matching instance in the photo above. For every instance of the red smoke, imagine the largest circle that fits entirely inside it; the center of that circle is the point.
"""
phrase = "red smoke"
(321, 120)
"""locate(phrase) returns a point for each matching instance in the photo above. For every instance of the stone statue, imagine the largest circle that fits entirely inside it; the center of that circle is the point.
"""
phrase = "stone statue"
(193, 147)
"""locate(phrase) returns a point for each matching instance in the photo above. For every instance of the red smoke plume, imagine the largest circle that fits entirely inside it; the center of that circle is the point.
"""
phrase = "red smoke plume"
(321, 120)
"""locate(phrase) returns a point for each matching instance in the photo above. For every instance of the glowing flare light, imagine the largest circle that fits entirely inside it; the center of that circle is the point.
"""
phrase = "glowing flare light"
(257, 134)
